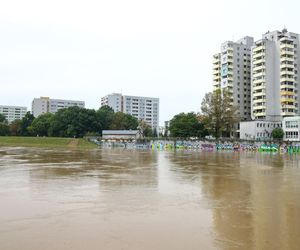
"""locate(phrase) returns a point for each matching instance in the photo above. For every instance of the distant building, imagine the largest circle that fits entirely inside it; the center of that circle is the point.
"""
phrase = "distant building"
(44, 105)
(121, 134)
(257, 130)
(232, 72)
(275, 76)
(143, 108)
(12, 113)
(291, 128)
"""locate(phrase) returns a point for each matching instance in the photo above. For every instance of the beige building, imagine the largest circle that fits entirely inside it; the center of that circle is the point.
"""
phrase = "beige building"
(44, 105)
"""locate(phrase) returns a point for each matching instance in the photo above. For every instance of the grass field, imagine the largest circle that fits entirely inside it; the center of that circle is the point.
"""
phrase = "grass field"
(17, 141)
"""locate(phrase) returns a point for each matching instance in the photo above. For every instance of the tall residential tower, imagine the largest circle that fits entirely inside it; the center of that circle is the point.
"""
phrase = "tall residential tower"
(275, 69)
(232, 72)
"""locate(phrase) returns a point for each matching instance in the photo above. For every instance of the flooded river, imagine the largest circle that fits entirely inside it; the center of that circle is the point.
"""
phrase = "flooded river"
(136, 200)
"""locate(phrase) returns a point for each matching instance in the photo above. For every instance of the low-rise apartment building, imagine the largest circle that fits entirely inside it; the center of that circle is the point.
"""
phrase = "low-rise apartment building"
(13, 113)
(143, 108)
(44, 105)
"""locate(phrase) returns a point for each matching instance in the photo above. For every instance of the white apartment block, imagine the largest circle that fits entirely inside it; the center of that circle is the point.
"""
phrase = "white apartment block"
(115, 101)
(275, 69)
(44, 105)
(143, 108)
(13, 113)
(232, 71)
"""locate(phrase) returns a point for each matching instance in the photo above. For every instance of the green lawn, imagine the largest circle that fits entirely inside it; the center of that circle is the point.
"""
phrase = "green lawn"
(18, 141)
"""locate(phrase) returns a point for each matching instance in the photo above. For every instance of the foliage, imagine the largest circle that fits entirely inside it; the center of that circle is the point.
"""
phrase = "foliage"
(41, 125)
(145, 129)
(105, 115)
(123, 121)
(25, 124)
(277, 133)
(2, 118)
(4, 129)
(74, 122)
(220, 115)
(15, 127)
(186, 125)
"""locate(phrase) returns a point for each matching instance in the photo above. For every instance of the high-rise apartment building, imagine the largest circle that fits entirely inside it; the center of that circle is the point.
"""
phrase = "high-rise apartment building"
(143, 108)
(275, 70)
(45, 105)
(232, 72)
(12, 113)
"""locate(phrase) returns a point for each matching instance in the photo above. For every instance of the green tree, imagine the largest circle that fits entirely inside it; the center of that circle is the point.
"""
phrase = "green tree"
(15, 127)
(41, 125)
(277, 133)
(74, 122)
(186, 125)
(145, 129)
(4, 129)
(220, 115)
(2, 118)
(25, 124)
(123, 121)
(105, 116)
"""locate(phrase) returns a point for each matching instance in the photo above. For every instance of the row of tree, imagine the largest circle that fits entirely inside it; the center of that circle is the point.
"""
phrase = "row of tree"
(73, 122)
(217, 118)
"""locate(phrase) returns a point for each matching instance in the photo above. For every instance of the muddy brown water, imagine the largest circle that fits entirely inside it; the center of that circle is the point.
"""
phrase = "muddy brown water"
(122, 199)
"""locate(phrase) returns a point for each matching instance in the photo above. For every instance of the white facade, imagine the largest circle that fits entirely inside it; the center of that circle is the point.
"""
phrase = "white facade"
(44, 105)
(257, 130)
(291, 128)
(275, 68)
(12, 113)
(143, 108)
(232, 71)
(115, 101)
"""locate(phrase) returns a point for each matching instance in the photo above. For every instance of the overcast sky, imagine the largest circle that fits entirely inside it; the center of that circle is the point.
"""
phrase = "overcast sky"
(83, 50)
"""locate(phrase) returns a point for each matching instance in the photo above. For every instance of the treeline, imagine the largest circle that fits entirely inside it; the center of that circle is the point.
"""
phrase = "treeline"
(73, 122)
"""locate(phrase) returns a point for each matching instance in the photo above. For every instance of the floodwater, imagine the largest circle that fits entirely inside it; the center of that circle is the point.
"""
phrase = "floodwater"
(122, 199)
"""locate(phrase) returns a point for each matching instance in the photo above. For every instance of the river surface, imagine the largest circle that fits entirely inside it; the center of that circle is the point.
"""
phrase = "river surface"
(136, 200)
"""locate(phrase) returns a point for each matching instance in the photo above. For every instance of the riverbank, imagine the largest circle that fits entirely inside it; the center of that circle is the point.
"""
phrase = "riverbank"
(45, 142)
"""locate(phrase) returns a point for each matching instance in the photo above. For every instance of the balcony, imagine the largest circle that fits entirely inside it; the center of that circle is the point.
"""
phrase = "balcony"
(261, 107)
(256, 68)
(287, 99)
(259, 48)
(258, 55)
(258, 81)
(286, 46)
(286, 52)
(258, 61)
(259, 94)
(260, 74)
(282, 92)
(286, 59)
(287, 79)
(288, 114)
(259, 100)
(260, 114)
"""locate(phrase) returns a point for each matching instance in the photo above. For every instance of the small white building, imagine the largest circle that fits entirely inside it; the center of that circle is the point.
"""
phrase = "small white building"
(258, 130)
(121, 134)
(291, 128)
(12, 113)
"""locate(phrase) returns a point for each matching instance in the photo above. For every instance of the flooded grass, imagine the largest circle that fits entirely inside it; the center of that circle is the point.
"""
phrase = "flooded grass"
(45, 142)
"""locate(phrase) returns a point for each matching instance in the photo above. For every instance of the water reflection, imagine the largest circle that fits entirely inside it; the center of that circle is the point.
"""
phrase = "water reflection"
(122, 199)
